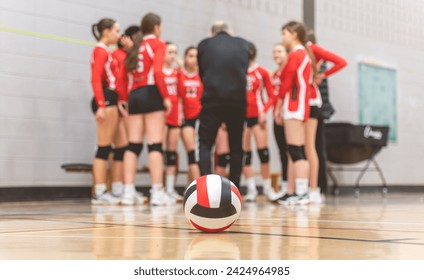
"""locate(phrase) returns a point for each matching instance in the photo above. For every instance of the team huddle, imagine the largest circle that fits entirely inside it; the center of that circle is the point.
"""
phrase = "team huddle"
(142, 94)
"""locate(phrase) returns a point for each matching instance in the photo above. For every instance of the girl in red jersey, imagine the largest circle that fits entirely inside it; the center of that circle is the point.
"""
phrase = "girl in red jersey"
(279, 55)
(120, 139)
(173, 120)
(190, 89)
(321, 55)
(258, 78)
(104, 71)
(147, 101)
(293, 107)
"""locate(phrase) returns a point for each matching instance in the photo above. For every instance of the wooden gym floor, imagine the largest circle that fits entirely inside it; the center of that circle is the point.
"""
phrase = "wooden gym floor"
(343, 228)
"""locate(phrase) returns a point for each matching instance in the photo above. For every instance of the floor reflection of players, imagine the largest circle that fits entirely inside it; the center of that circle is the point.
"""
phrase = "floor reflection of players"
(110, 241)
(252, 242)
(164, 241)
(263, 240)
(219, 246)
(276, 246)
(303, 225)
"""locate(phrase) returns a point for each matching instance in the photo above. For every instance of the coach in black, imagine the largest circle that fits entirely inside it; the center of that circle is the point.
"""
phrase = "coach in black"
(223, 62)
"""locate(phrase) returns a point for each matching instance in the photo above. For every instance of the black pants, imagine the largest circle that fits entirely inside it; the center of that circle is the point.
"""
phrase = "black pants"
(280, 138)
(211, 119)
(320, 146)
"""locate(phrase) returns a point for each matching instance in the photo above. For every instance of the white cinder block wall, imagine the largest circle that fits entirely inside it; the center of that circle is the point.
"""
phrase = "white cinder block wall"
(45, 118)
(389, 32)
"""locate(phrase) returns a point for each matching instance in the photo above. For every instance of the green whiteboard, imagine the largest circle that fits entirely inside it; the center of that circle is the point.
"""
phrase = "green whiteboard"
(377, 97)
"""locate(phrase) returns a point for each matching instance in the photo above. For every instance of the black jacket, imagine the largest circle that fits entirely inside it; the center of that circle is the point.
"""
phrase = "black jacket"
(223, 62)
(327, 110)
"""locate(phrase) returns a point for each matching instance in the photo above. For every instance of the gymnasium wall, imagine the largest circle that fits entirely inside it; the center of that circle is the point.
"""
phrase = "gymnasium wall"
(390, 34)
(45, 118)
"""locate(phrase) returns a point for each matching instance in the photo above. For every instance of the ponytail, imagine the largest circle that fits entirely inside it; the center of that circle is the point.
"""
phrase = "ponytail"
(98, 28)
(148, 23)
(315, 70)
(131, 61)
(302, 36)
(95, 31)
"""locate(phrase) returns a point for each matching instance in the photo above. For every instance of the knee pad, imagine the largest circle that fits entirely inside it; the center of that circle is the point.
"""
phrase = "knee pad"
(157, 147)
(191, 157)
(103, 152)
(247, 158)
(118, 153)
(264, 155)
(296, 152)
(223, 160)
(136, 148)
(171, 158)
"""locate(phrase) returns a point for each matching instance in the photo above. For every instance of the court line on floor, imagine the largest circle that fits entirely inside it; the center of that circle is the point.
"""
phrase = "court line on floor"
(60, 230)
(283, 226)
(387, 241)
(339, 221)
(262, 218)
(99, 237)
(331, 228)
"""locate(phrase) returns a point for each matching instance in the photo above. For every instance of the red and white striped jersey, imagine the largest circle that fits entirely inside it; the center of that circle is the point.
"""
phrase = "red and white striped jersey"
(190, 88)
(150, 63)
(276, 82)
(104, 70)
(171, 82)
(258, 78)
(119, 56)
(322, 55)
(296, 80)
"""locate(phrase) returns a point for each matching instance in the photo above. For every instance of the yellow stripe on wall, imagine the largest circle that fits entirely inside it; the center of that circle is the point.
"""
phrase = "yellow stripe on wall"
(46, 36)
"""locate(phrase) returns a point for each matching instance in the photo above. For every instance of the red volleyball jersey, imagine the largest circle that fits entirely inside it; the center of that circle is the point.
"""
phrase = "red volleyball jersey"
(257, 78)
(104, 70)
(119, 56)
(150, 63)
(296, 80)
(276, 82)
(322, 55)
(171, 82)
(190, 88)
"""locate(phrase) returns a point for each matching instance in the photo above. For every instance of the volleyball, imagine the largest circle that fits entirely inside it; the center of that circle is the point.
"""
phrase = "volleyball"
(212, 203)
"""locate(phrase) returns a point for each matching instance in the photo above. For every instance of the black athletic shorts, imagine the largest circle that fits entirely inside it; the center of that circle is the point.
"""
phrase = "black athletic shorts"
(251, 122)
(315, 112)
(170, 126)
(190, 122)
(145, 100)
(111, 99)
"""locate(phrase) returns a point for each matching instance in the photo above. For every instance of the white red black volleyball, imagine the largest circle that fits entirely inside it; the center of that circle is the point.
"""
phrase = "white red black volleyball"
(212, 203)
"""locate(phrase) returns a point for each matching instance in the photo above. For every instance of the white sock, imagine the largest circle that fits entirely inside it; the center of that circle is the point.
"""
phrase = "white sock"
(315, 190)
(170, 183)
(117, 188)
(301, 186)
(250, 182)
(157, 187)
(266, 184)
(99, 189)
(129, 188)
(283, 187)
